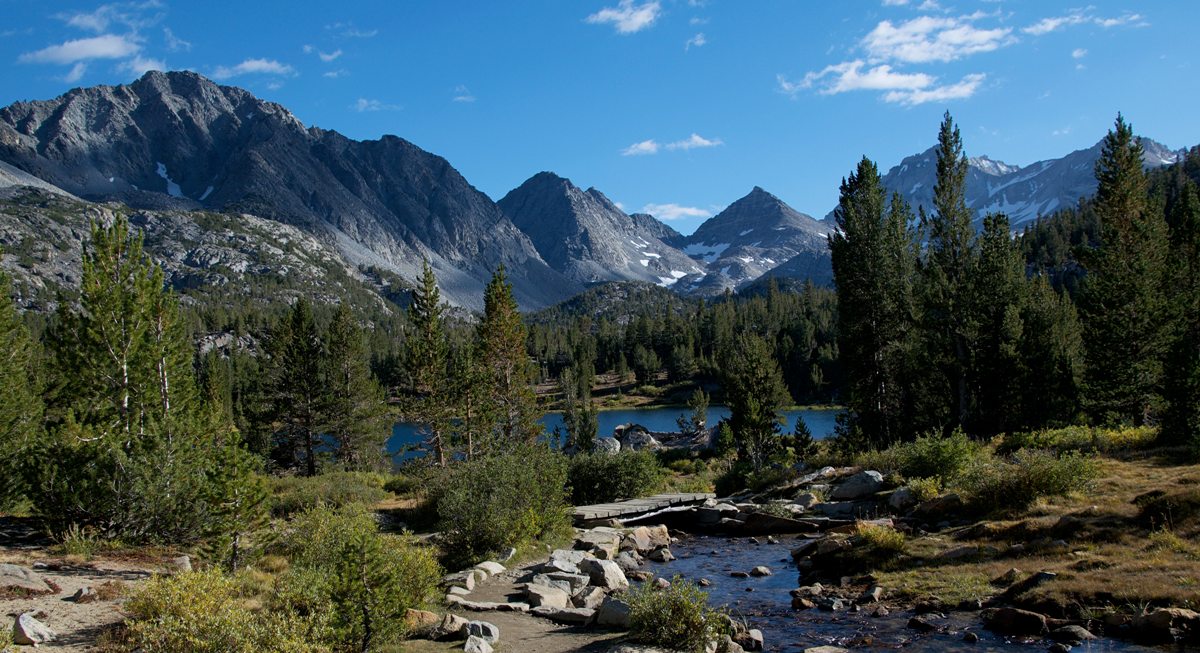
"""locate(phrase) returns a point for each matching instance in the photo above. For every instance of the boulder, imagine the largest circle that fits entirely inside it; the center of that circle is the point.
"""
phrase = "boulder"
(85, 595)
(23, 580)
(639, 439)
(549, 597)
(921, 625)
(1014, 621)
(605, 573)
(575, 582)
(945, 506)
(603, 544)
(862, 484)
(463, 579)
(662, 583)
(807, 500)
(452, 627)
(182, 563)
(589, 597)
(613, 613)
(421, 623)
(484, 630)
(606, 445)
(902, 499)
(477, 645)
(28, 631)
(491, 568)
(544, 580)
(661, 554)
(760, 571)
(751, 640)
(574, 616)
(628, 561)
(486, 606)
(459, 591)
(644, 539)
(726, 645)
(872, 595)
(1164, 624)
(1072, 635)
(1007, 578)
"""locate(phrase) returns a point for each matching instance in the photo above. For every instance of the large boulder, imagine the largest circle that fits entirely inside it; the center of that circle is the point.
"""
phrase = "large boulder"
(477, 644)
(551, 597)
(452, 627)
(574, 616)
(28, 631)
(862, 484)
(589, 597)
(637, 438)
(601, 542)
(1014, 621)
(605, 573)
(613, 613)
(902, 499)
(487, 631)
(15, 579)
(940, 508)
(1169, 624)
(421, 624)
(491, 568)
(607, 445)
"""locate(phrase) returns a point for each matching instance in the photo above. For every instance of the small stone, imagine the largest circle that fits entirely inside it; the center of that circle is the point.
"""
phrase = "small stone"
(970, 637)
(484, 630)
(1073, 635)
(22, 579)
(662, 554)
(662, 583)
(921, 625)
(751, 640)
(760, 571)
(738, 574)
(872, 595)
(704, 582)
(182, 563)
(1007, 578)
(613, 613)
(881, 611)
(640, 576)
(477, 645)
(85, 595)
(458, 591)
(801, 603)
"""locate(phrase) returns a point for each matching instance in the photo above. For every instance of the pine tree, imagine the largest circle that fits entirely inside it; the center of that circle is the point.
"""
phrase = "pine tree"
(1181, 421)
(21, 407)
(1122, 306)
(755, 393)
(511, 404)
(948, 328)
(1052, 355)
(426, 351)
(354, 408)
(873, 267)
(579, 414)
(294, 388)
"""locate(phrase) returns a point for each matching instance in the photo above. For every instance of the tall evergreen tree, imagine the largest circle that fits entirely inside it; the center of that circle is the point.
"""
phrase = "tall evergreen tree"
(947, 323)
(511, 405)
(755, 393)
(873, 267)
(21, 407)
(354, 408)
(1052, 355)
(1122, 306)
(579, 414)
(1181, 421)
(426, 351)
(294, 388)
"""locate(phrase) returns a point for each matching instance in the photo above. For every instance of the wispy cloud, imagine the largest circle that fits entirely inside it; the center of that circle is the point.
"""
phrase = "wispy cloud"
(695, 42)
(329, 56)
(254, 67)
(350, 31)
(140, 65)
(108, 46)
(672, 211)
(933, 38)
(1078, 53)
(463, 94)
(1082, 17)
(334, 74)
(641, 148)
(628, 17)
(363, 105)
(133, 15)
(900, 88)
(958, 91)
(894, 3)
(174, 43)
(76, 73)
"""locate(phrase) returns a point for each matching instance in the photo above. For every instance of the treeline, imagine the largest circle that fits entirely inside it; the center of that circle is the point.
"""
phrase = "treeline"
(1091, 316)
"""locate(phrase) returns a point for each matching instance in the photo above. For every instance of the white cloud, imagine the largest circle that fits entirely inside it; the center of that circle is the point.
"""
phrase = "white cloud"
(348, 30)
(463, 94)
(638, 149)
(788, 87)
(673, 211)
(334, 74)
(134, 15)
(1078, 53)
(894, 3)
(696, 20)
(140, 65)
(1082, 17)
(76, 73)
(1061, 132)
(696, 41)
(849, 76)
(108, 46)
(930, 5)
(931, 38)
(627, 17)
(959, 91)
(694, 141)
(174, 43)
(329, 56)
(364, 105)
(252, 67)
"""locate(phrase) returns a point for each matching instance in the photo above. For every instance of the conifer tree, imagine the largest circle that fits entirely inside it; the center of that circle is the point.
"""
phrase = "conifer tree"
(467, 396)
(947, 322)
(1052, 355)
(1122, 306)
(354, 407)
(294, 388)
(21, 406)
(755, 393)
(579, 414)
(873, 267)
(997, 297)
(511, 405)
(426, 351)
(1181, 421)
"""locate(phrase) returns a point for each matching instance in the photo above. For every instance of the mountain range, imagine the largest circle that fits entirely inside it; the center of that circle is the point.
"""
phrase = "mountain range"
(185, 155)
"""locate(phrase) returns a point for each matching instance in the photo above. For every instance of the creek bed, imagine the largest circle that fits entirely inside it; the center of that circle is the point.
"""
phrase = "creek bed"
(768, 606)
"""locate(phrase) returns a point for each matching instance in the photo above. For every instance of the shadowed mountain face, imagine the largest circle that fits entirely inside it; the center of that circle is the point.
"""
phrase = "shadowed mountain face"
(583, 235)
(178, 141)
(753, 235)
(1021, 193)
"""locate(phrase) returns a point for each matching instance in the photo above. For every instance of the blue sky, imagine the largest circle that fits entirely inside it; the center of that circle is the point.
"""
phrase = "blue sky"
(677, 107)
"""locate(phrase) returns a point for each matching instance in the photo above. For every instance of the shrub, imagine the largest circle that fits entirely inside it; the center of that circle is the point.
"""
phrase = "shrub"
(936, 456)
(882, 539)
(292, 494)
(602, 477)
(1082, 438)
(1029, 475)
(488, 504)
(203, 612)
(677, 617)
(924, 489)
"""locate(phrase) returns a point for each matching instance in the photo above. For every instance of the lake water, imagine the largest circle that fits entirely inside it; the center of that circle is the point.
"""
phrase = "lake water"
(659, 418)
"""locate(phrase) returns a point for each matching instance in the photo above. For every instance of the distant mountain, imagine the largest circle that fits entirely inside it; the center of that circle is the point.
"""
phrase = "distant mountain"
(1023, 193)
(755, 234)
(587, 238)
(177, 141)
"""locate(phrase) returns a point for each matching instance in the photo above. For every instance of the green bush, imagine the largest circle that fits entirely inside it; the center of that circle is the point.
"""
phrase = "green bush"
(936, 456)
(882, 539)
(1082, 438)
(1026, 477)
(204, 612)
(292, 494)
(677, 617)
(488, 504)
(924, 489)
(602, 477)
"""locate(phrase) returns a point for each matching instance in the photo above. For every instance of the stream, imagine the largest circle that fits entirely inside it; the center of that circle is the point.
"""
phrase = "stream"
(768, 606)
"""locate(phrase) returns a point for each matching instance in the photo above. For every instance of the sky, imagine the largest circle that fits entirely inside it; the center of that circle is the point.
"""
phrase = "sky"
(672, 107)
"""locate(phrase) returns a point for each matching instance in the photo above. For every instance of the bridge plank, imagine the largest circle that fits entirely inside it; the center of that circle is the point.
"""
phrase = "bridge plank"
(638, 506)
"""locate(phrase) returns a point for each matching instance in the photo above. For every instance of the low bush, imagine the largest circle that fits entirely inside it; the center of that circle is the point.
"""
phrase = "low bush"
(1027, 476)
(603, 477)
(488, 504)
(935, 456)
(293, 494)
(1081, 438)
(677, 617)
(924, 489)
(882, 539)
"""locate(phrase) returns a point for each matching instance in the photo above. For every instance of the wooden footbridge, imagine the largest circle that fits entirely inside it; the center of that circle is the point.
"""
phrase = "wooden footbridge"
(634, 507)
